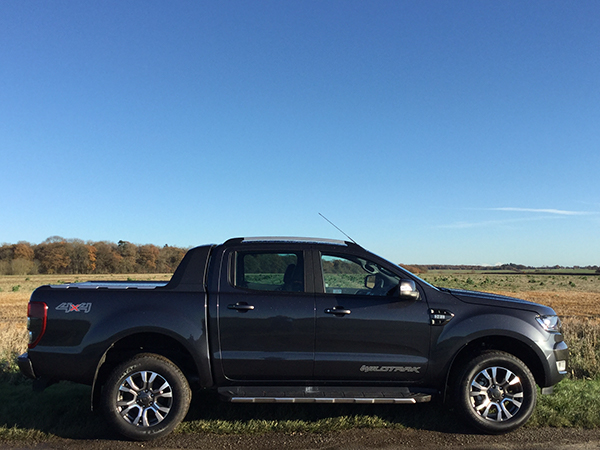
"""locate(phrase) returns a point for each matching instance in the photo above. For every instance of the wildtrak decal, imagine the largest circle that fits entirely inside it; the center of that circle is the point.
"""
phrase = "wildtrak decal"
(401, 369)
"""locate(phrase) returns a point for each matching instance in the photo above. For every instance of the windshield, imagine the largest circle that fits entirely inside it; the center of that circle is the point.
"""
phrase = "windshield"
(421, 280)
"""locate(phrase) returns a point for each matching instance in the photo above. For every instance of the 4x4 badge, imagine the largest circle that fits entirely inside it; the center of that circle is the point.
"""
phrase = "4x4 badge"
(71, 307)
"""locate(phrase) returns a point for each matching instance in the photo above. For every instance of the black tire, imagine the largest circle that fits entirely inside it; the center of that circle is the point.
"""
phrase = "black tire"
(145, 397)
(496, 392)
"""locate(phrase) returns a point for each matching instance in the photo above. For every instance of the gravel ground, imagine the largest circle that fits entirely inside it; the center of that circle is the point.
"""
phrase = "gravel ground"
(357, 439)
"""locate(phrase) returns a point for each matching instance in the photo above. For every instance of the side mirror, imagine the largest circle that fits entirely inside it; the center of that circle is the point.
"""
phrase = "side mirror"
(408, 290)
(370, 281)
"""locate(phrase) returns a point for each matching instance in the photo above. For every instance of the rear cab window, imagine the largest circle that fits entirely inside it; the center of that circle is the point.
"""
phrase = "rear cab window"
(269, 271)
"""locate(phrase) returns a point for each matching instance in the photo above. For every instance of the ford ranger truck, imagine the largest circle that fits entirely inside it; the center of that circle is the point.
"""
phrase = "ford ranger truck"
(291, 320)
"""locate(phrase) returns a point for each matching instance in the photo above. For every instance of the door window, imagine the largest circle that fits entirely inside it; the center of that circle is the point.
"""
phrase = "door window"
(357, 276)
(268, 271)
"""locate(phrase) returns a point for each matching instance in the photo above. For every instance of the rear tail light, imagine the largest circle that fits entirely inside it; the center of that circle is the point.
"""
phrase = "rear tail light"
(37, 312)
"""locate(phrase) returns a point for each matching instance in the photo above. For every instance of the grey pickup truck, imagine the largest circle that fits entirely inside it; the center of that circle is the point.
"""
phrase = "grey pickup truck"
(292, 320)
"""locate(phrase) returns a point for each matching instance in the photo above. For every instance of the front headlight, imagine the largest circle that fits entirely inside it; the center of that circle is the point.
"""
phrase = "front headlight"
(549, 323)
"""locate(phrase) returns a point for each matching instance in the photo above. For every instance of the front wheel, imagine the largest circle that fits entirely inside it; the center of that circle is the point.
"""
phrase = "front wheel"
(146, 397)
(496, 392)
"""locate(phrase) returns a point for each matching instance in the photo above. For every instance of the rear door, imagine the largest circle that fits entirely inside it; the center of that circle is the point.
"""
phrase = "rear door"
(364, 330)
(266, 315)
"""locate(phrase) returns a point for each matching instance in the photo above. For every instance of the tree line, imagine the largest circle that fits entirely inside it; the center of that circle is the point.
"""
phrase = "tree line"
(268, 262)
(511, 267)
(57, 255)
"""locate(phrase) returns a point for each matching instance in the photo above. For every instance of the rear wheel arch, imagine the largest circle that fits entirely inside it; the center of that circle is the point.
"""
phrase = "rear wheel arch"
(129, 346)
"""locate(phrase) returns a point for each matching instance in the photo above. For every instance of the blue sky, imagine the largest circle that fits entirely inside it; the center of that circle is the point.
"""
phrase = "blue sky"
(457, 132)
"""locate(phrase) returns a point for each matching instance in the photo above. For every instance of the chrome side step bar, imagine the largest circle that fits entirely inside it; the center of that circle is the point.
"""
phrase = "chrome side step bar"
(320, 400)
(312, 394)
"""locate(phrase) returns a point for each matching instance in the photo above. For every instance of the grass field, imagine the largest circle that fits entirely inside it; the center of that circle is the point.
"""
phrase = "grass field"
(516, 282)
(576, 402)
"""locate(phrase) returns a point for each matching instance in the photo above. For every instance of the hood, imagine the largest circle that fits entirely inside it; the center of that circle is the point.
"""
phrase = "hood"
(485, 298)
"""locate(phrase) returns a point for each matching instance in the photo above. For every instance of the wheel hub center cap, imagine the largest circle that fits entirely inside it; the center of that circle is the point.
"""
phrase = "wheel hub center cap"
(145, 398)
(496, 393)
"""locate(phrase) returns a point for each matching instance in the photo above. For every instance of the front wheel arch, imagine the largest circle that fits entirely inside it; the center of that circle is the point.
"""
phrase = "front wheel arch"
(505, 344)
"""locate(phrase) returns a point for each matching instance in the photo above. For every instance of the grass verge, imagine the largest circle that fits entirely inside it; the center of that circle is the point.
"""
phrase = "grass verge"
(575, 403)
(63, 411)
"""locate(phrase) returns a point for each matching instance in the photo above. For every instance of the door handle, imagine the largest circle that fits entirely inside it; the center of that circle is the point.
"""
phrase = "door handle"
(338, 310)
(241, 307)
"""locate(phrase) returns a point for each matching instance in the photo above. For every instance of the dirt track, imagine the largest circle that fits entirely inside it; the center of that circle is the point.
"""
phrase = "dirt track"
(357, 439)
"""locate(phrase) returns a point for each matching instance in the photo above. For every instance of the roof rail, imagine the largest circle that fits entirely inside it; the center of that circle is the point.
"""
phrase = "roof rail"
(282, 239)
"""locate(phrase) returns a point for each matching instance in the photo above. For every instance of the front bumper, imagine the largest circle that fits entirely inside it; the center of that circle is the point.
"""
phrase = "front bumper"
(556, 364)
(561, 354)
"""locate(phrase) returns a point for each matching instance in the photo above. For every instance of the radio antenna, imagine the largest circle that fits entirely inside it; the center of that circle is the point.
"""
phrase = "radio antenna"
(337, 228)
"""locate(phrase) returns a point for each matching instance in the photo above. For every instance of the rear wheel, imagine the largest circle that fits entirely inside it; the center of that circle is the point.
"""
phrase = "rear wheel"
(146, 397)
(496, 392)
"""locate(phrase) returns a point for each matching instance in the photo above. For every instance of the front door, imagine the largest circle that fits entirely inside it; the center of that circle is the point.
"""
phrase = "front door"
(364, 330)
(266, 317)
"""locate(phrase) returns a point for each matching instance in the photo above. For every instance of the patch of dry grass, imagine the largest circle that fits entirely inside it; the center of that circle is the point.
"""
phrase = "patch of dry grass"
(14, 342)
(13, 329)
(582, 335)
(13, 326)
